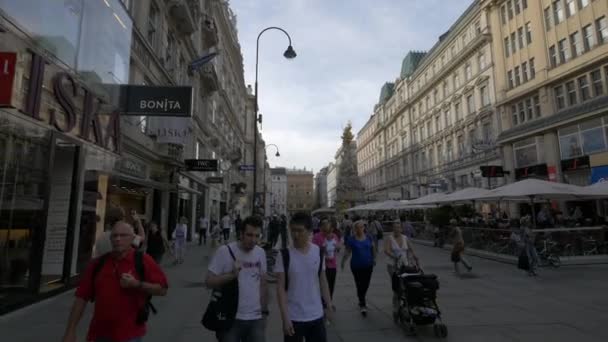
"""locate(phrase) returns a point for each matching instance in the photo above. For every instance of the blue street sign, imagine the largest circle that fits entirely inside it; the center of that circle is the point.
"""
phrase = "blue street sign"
(246, 167)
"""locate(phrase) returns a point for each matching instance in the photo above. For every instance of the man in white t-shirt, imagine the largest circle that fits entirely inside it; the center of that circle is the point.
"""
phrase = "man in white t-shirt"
(203, 228)
(302, 309)
(226, 225)
(250, 268)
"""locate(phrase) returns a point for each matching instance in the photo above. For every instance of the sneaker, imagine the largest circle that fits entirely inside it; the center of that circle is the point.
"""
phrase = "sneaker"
(363, 311)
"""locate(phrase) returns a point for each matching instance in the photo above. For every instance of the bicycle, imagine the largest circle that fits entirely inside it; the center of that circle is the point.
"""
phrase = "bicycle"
(547, 255)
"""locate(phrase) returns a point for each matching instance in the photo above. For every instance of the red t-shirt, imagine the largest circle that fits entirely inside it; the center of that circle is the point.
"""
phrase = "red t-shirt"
(115, 312)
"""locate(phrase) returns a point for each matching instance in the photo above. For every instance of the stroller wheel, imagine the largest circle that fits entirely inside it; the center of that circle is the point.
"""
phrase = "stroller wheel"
(441, 330)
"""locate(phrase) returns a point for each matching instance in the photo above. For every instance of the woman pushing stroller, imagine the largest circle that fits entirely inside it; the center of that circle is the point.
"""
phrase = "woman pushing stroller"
(400, 252)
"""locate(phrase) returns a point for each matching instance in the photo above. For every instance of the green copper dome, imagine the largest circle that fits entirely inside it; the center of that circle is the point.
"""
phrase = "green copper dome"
(411, 62)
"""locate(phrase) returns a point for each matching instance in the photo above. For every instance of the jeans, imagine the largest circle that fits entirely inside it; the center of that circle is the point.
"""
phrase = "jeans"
(244, 331)
(330, 273)
(226, 233)
(202, 236)
(313, 331)
(362, 276)
(532, 256)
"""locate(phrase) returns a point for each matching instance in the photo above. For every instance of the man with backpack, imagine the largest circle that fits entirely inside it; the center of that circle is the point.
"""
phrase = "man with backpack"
(244, 261)
(121, 284)
(302, 287)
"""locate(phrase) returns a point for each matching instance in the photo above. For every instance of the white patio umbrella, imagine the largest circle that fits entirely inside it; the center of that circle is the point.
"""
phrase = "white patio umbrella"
(464, 195)
(433, 198)
(596, 190)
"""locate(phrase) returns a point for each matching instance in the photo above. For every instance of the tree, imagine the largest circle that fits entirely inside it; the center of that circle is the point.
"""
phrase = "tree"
(349, 189)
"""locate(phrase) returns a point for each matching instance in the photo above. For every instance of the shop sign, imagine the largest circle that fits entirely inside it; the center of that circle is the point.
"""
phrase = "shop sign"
(131, 167)
(539, 170)
(215, 180)
(492, 171)
(142, 100)
(203, 165)
(80, 107)
(246, 167)
(8, 61)
(576, 163)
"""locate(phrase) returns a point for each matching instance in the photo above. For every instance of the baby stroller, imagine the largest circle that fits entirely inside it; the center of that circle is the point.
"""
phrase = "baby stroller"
(417, 293)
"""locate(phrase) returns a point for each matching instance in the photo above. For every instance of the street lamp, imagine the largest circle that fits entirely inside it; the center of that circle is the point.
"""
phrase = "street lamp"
(290, 53)
(277, 147)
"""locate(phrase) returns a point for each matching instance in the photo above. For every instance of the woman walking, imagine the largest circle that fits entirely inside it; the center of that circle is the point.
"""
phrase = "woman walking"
(179, 236)
(458, 249)
(156, 243)
(400, 252)
(361, 246)
(330, 244)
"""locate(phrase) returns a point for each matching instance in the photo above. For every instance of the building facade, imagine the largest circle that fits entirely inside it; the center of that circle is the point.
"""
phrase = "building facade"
(300, 187)
(332, 183)
(278, 190)
(84, 157)
(321, 188)
(436, 125)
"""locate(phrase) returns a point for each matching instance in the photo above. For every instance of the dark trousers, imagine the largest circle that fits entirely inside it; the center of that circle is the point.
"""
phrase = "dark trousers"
(273, 235)
(226, 232)
(202, 236)
(313, 331)
(283, 233)
(362, 278)
(330, 273)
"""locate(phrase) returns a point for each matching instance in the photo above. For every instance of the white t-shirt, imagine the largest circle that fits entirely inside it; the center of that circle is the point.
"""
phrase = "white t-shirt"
(226, 222)
(203, 222)
(253, 267)
(304, 291)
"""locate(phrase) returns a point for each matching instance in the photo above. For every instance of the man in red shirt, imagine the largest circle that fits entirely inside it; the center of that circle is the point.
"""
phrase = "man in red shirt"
(118, 292)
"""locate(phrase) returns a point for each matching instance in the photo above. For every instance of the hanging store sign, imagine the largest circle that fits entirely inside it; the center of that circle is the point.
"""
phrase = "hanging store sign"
(492, 171)
(131, 167)
(576, 163)
(215, 180)
(539, 170)
(203, 165)
(8, 61)
(142, 100)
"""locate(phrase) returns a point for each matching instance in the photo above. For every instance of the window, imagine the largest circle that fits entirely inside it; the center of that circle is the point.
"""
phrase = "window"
(577, 44)
(558, 11)
(477, 28)
(589, 37)
(510, 78)
(517, 6)
(553, 55)
(438, 124)
(456, 81)
(583, 3)
(429, 129)
(517, 76)
(524, 4)
(571, 92)
(583, 84)
(510, 10)
(428, 103)
(486, 131)
(445, 89)
(525, 153)
(598, 86)
(514, 115)
(548, 18)
(485, 97)
(520, 37)
(446, 116)
(457, 111)
(503, 14)
(449, 149)
(507, 47)
(524, 71)
(593, 136)
(529, 109)
(468, 72)
(532, 69)
(436, 96)
(570, 8)
(513, 43)
(529, 33)
(560, 100)
(521, 109)
(460, 145)
(482, 61)
(564, 52)
(602, 30)
(569, 142)
(470, 104)
(153, 25)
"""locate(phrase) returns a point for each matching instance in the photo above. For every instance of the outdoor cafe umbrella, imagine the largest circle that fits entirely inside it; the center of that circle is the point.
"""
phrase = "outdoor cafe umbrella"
(534, 190)
(464, 195)
(433, 198)
(599, 189)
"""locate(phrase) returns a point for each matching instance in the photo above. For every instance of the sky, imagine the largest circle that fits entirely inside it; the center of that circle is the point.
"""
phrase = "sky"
(347, 49)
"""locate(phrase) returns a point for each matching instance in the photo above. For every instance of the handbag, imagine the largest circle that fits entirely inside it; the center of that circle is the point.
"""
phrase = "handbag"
(221, 311)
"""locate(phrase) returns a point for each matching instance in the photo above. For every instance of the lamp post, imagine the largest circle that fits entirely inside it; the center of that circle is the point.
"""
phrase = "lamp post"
(289, 54)
(264, 173)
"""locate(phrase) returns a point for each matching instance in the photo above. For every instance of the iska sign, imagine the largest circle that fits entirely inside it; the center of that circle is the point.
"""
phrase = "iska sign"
(155, 101)
(78, 110)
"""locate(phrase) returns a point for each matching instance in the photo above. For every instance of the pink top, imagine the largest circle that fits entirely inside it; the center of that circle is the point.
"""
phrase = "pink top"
(330, 245)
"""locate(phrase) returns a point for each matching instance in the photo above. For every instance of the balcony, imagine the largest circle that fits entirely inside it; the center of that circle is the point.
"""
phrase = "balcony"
(209, 32)
(183, 15)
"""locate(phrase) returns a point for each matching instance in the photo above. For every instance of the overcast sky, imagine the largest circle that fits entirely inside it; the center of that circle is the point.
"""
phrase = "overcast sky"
(347, 49)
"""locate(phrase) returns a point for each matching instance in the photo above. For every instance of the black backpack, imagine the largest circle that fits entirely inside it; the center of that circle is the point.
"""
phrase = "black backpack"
(223, 304)
(144, 313)
(285, 256)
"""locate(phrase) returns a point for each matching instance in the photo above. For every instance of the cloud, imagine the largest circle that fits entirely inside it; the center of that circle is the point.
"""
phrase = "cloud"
(346, 51)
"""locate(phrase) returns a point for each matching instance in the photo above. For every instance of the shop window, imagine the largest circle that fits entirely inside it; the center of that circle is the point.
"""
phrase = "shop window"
(593, 136)
(525, 153)
(569, 142)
